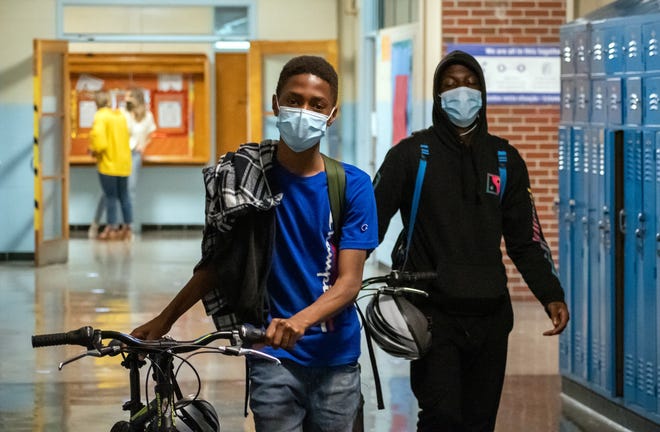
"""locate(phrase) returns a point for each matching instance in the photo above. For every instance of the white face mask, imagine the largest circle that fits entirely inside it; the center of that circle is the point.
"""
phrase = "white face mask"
(301, 129)
(462, 105)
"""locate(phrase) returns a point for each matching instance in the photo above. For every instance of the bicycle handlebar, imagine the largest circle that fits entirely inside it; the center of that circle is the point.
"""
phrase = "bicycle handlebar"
(90, 338)
(398, 278)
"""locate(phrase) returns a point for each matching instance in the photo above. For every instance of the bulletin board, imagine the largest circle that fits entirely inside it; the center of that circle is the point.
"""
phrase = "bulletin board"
(176, 89)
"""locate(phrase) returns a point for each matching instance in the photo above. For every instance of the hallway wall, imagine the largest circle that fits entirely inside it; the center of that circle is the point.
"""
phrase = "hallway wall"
(169, 195)
(20, 22)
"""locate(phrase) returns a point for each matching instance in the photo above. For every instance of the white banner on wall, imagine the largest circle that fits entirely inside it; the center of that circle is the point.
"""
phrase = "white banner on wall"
(518, 74)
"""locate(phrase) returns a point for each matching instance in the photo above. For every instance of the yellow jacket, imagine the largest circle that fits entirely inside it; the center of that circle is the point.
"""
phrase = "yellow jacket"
(108, 142)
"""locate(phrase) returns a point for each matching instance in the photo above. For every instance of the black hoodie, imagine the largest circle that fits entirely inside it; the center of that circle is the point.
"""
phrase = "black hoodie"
(461, 218)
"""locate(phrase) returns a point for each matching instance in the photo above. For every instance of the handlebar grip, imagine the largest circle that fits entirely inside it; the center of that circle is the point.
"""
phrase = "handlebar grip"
(403, 277)
(83, 336)
(250, 333)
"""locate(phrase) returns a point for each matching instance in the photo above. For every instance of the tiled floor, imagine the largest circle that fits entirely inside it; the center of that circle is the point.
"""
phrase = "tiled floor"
(116, 285)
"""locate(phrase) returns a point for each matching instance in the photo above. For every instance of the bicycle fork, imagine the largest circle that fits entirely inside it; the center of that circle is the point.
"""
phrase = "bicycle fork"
(158, 414)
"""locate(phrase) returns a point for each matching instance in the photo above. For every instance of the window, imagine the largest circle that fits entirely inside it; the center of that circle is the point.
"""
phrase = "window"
(392, 13)
(232, 22)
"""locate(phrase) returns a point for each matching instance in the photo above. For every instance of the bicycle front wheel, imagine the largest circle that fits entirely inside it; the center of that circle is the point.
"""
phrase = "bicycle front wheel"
(122, 426)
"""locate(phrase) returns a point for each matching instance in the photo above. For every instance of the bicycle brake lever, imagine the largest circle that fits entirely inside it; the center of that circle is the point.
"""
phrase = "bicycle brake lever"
(75, 358)
(249, 351)
(235, 351)
(399, 290)
(109, 350)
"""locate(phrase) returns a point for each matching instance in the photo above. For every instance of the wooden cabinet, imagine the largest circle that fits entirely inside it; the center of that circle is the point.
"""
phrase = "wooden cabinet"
(177, 89)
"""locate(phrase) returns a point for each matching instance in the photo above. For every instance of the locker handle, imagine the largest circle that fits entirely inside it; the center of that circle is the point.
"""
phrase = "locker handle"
(622, 221)
(657, 239)
(603, 223)
(641, 231)
(570, 214)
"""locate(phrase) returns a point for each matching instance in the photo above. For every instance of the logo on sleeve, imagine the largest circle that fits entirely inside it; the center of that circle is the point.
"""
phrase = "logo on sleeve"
(493, 184)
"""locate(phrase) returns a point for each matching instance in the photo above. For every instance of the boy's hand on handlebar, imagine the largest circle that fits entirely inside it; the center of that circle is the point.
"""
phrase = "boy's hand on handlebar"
(151, 330)
(284, 333)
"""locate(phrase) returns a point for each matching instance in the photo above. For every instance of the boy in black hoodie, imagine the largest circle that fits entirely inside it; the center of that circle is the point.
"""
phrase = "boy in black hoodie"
(471, 196)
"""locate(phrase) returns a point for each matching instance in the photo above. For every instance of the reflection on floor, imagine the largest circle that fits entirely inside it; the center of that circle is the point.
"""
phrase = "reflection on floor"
(119, 285)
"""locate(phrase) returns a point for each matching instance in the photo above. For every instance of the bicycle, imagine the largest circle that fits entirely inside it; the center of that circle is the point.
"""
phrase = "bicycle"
(168, 410)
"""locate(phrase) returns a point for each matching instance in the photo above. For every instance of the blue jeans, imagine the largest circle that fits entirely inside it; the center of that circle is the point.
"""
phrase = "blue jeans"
(291, 397)
(132, 191)
(115, 189)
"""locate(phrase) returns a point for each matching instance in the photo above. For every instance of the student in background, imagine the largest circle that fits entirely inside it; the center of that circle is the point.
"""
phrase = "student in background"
(109, 144)
(141, 126)
(475, 192)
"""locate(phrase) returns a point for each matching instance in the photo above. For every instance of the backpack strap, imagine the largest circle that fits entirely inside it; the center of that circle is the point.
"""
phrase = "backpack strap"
(336, 193)
(502, 159)
(421, 170)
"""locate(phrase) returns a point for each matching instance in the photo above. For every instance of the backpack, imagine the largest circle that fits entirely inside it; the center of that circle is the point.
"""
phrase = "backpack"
(336, 194)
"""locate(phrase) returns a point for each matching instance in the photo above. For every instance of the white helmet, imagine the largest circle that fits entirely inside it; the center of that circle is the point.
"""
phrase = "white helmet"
(397, 326)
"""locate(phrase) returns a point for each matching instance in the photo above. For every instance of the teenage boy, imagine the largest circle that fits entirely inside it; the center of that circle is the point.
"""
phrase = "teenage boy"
(268, 240)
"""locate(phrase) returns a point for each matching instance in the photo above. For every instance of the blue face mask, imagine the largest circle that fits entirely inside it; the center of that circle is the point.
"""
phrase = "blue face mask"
(301, 129)
(462, 105)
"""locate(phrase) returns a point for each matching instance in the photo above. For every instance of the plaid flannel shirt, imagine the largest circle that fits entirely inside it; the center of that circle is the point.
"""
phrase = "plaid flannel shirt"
(235, 186)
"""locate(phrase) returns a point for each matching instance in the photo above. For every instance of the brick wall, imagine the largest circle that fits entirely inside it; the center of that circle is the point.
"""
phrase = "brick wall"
(532, 129)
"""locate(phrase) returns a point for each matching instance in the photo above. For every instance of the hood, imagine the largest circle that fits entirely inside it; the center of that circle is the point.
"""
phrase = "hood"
(440, 118)
(471, 157)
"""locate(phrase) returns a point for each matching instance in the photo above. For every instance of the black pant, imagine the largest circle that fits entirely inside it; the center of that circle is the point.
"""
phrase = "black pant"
(458, 383)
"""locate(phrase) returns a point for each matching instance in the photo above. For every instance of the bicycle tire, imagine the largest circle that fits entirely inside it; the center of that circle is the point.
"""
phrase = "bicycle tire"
(121, 426)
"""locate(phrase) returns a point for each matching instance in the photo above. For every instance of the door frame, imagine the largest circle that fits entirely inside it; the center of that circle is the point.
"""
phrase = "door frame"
(260, 49)
(55, 249)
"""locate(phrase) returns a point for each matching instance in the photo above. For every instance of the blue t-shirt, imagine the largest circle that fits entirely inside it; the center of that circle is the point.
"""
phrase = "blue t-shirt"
(304, 260)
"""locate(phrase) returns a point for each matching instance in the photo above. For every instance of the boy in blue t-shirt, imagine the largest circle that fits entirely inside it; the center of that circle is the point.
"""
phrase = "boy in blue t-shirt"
(313, 326)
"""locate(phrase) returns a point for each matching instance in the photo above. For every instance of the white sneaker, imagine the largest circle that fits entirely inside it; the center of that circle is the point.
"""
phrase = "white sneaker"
(93, 231)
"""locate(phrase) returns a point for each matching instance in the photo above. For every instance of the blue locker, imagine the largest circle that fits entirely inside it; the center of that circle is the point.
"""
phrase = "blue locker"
(633, 48)
(581, 49)
(629, 223)
(609, 203)
(566, 35)
(614, 55)
(582, 100)
(651, 41)
(606, 269)
(655, 238)
(566, 210)
(597, 59)
(647, 299)
(614, 102)
(598, 101)
(632, 113)
(594, 139)
(580, 288)
(567, 100)
(651, 105)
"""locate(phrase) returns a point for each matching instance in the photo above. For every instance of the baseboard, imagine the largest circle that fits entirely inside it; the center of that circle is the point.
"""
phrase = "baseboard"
(175, 227)
(151, 227)
(16, 256)
(594, 412)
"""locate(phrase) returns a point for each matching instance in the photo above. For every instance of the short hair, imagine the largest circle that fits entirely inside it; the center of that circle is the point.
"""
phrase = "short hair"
(314, 65)
(102, 99)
